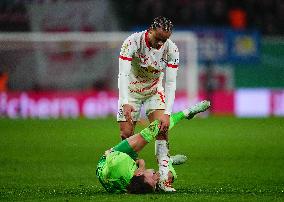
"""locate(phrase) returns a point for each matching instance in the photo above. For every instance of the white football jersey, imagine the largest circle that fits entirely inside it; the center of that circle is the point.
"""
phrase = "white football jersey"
(148, 65)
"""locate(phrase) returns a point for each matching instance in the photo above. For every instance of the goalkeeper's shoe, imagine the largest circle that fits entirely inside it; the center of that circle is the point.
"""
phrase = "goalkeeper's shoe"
(166, 186)
(178, 159)
(199, 107)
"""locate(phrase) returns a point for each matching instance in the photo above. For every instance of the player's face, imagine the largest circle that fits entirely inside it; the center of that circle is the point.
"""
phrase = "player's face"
(158, 37)
(151, 177)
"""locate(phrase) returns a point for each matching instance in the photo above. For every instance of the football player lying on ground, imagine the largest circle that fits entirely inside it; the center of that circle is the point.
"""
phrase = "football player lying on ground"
(119, 170)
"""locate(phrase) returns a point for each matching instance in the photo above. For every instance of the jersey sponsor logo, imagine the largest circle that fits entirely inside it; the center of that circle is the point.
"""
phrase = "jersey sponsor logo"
(139, 82)
(147, 93)
(146, 88)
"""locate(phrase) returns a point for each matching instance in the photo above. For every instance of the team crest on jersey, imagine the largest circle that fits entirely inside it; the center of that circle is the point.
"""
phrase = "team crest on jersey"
(125, 48)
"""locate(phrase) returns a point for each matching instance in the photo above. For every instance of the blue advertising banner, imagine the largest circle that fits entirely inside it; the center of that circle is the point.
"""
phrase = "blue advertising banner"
(244, 47)
(224, 45)
(227, 45)
(213, 45)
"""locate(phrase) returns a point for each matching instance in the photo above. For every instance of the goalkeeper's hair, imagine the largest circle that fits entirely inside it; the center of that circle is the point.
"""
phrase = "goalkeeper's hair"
(139, 186)
(162, 22)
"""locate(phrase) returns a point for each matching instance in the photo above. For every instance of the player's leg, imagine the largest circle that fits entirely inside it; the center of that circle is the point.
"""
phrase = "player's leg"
(127, 128)
(155, 106)
(152, 131)
(162, 141)
(162, 151)
(138, 141)
(189, 113)
(197, 108)
(163, 156)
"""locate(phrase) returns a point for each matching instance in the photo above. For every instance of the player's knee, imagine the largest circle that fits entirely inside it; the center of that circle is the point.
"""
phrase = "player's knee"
(126, 130)
(125, 133)
(162, 136)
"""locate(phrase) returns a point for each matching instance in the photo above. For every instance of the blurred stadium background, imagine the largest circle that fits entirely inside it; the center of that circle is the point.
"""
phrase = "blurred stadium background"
(59, 59)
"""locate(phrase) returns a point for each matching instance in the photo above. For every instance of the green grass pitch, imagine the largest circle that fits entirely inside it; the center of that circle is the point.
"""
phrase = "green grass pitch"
(230, 159)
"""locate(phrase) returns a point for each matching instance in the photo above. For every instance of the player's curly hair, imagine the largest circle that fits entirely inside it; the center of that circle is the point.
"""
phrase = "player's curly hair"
(162, 22)
(139, 186)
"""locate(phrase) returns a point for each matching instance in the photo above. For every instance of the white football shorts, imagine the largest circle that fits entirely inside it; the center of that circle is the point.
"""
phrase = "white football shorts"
(151, 103)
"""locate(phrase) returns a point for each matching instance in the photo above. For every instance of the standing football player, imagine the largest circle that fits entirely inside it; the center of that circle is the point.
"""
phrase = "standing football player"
(144, 58)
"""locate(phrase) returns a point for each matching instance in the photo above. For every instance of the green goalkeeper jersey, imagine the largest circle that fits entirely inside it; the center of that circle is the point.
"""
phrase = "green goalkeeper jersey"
(116, 169)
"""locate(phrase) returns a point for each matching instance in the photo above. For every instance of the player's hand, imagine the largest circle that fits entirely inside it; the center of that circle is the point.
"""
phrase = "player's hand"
(140, 163)
(127, 109)
(164, 123)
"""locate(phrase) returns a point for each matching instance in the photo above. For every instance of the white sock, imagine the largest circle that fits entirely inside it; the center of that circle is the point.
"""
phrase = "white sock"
(162, 154)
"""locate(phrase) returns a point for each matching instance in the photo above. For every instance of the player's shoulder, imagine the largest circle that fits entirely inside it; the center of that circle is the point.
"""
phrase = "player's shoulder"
(172, 46)
(136, 35)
